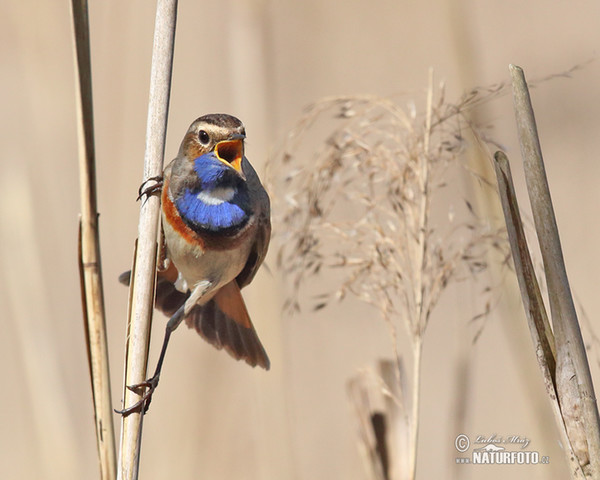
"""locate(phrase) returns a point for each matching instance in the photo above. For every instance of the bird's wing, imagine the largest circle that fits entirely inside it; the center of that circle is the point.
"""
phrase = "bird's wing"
(257, 254)
(261, 202)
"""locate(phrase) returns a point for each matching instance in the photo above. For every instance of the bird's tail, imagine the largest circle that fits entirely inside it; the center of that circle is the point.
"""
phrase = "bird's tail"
(224, 323)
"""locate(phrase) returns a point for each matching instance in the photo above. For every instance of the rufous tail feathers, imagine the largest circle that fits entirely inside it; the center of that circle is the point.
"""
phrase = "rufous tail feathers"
(224, 322)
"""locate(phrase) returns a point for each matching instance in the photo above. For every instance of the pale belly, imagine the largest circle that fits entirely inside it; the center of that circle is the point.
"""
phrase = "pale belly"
(195, 265)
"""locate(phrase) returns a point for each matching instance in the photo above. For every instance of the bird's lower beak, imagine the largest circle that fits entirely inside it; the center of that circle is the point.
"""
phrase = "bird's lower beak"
(231, 153)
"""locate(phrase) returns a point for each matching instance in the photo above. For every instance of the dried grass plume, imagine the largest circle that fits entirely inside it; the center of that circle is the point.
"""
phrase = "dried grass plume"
(363, 205)
(381, 207)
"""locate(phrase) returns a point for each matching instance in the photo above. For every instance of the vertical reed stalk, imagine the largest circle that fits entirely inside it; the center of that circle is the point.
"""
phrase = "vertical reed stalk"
(416, 395)
(90, 270)
(420, 267)
(143, 273)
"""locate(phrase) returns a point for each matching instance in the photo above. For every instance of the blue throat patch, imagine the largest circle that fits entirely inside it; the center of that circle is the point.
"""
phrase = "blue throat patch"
(222, 217)
(210, 170)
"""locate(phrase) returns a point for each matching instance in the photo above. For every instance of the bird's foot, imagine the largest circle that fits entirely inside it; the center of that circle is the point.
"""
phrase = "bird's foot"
(147, 190)
(150, 385)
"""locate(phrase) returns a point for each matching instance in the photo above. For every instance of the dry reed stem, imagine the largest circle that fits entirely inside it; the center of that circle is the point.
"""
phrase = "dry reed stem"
(573, 379)
(537, 319)
(90, 270)
(417, 341)
(144, 270)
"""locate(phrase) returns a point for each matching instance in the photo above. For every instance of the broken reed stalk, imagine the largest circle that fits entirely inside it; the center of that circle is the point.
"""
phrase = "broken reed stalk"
(377, 415)
(537, 319)
(573, 378)
(90, 271)
(144, 269)
(561, 356)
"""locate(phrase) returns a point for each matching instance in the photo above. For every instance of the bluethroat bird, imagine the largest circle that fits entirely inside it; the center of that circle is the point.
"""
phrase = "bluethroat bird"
(216, 225)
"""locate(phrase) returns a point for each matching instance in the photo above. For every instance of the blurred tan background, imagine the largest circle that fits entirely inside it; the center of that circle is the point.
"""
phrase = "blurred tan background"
(263, 61)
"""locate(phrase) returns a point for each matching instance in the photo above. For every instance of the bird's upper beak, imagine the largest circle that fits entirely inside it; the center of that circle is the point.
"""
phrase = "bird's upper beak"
(231, 152)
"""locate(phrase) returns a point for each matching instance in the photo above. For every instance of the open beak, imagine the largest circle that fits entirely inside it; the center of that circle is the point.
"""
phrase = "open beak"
(231, 152)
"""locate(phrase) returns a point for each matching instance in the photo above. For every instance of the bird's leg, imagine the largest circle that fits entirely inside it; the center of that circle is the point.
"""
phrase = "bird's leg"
(152, 382)
(152, 189)
(172, 325)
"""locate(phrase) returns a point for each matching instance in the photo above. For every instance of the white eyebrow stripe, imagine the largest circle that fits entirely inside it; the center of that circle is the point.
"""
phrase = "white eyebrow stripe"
(216, 196)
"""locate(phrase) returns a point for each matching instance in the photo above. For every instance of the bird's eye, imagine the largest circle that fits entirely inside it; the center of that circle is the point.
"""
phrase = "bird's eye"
(203, 137)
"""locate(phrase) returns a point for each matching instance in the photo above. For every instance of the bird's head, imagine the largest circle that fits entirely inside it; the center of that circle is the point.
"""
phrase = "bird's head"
(215, 143)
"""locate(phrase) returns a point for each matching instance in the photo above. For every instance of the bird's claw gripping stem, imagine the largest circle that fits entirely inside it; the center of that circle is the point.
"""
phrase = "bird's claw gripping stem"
(146, 190)
(150, 385)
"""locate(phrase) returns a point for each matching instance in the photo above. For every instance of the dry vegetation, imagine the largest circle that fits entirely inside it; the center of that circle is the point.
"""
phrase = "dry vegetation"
(379, 212)
(365, 205)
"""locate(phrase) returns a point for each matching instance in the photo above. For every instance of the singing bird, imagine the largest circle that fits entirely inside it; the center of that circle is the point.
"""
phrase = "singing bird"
(216, 224)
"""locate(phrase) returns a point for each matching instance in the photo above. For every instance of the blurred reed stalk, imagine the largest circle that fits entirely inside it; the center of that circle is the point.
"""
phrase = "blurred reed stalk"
(560, 351)
(90, 271)
(141, 295)
(363, 211)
